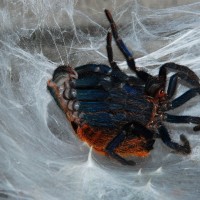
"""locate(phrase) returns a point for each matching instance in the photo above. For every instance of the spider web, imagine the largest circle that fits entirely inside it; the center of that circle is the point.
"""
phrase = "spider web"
(40, 156)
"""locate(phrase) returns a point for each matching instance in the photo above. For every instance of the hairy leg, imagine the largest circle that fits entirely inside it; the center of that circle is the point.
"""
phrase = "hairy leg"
(116, 70)
(131, 130)
(184, 73)
(127, 54)
(179, 101)
(184, 149)
(184, 119)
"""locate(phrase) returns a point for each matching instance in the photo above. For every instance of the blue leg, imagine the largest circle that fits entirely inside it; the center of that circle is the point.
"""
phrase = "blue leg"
(129, 58)
(184, 98)
(183, 69)
(184, 119)
(93, 76)
(129, 130)
(172, 85)
(114, 144)
(113, 64)
(116, 70)
(184, 73)
(184, 149)
(174, 79)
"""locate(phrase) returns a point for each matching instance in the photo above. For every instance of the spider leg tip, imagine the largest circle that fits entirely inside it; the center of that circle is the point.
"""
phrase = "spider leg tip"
(183, 138)
(106, 10)
(109, 35)
(108, 15)
(196, 128)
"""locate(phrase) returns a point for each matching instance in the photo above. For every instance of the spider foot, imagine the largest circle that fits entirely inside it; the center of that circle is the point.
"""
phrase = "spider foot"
(178, 148)
(120, 159)
(129, 162)
(196, 128)
(185, 148)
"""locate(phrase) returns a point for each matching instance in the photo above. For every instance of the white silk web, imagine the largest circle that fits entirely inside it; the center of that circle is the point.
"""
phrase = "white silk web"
(40, 156)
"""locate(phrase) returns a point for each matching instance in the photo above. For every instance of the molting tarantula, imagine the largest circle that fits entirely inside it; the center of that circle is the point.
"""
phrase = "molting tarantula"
(121, 115)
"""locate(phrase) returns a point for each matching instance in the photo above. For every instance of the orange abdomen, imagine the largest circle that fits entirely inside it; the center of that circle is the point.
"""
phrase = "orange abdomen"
(100, 138)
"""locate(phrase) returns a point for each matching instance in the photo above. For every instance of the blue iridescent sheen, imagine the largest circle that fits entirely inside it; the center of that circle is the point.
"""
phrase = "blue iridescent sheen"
(110, 107)
(133, 90)
(91, 95)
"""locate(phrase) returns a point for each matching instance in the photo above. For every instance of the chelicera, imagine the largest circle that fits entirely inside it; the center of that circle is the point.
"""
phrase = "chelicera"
(121, 115)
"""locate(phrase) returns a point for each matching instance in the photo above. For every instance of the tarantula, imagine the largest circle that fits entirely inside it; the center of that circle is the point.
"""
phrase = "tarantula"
(121, 115)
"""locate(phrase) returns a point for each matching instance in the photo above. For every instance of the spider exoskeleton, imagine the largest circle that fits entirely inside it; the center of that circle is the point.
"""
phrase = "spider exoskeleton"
(121, 115)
